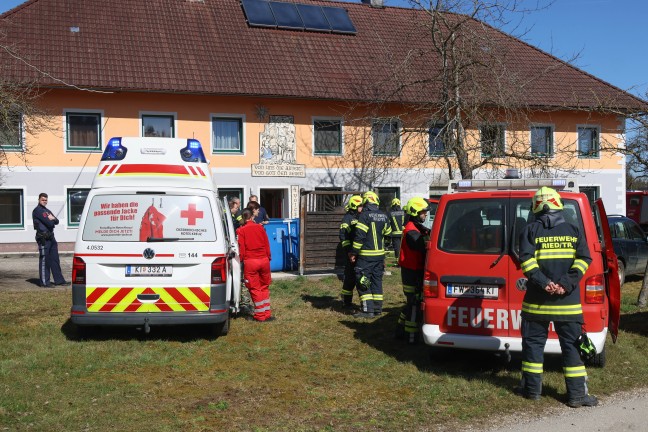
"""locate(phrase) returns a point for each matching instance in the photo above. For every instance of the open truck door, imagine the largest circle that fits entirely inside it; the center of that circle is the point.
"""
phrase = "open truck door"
(233, 259)
(612, 283)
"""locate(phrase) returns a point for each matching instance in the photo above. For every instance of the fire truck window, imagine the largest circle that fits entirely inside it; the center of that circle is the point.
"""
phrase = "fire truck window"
(473, 226)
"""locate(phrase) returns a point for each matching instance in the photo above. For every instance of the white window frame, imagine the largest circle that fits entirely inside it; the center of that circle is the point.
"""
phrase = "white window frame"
(598, 133)
(21, 225)
(21, 138)
(323, 118)
(142, 114)
(399, 127)
(481, 140)
(66, 138)
(243, 120)
(552, 129)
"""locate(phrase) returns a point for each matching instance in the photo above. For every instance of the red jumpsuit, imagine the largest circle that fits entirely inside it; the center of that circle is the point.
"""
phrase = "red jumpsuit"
(254, 249)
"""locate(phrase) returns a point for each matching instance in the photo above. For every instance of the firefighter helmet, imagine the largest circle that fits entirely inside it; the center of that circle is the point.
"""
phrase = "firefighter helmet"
(354, 202)
(546, 199)
(395, 202)
(371, 197)
(416, 205)
(586, 347)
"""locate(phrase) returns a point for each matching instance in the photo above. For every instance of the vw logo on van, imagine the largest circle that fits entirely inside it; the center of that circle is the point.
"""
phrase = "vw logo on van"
(148, 253)
(521, 284)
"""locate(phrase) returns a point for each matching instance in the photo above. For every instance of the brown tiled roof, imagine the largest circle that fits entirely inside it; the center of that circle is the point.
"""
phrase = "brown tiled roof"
(193, 46)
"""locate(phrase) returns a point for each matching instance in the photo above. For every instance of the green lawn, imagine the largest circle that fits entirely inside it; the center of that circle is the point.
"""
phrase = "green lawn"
(313, 369)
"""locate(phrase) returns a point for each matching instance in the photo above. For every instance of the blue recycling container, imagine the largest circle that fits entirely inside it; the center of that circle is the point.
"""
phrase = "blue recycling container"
(283, 235)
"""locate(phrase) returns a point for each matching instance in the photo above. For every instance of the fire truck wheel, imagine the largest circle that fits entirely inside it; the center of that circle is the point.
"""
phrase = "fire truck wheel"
(621, 272)
(598, 360)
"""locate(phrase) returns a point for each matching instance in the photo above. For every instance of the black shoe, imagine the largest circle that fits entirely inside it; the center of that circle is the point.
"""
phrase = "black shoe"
(525, 394)
(587, 400)
(348, 306)
(272, 318)
(363, 315)
(377, 313)
(64, 283)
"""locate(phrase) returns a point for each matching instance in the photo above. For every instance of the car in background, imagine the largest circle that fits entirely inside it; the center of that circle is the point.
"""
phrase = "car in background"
(630, 245)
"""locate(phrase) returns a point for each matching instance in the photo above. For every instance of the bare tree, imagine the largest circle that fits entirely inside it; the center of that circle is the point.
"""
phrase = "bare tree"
(477, 113)
(20, 112)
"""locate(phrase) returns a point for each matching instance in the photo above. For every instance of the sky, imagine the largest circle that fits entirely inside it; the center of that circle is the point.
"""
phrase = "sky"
(610, 37)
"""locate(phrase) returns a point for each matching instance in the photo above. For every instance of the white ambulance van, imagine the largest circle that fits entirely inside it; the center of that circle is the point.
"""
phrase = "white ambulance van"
(155, 244)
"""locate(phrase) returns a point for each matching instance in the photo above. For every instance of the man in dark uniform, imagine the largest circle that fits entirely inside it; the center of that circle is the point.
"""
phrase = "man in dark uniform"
(412, 263)
(397, 221)
(48, 256)
(554, 257)
(347, 231)
(368, 253)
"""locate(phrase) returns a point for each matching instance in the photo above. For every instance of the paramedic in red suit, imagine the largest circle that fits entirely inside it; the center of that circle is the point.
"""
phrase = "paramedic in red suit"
(152, 224)
(48, 257)
(254, 249)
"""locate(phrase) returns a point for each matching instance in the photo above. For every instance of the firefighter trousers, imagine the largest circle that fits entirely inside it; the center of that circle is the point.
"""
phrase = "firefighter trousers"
(349, 282)
(410, 317)
(257, 280)
(534, 338)
(369, 274)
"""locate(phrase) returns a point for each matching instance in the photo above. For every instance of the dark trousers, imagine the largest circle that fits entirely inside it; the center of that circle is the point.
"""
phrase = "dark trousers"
(534, 338)
(369, 274)
(349, 282)
(48, 261)
(410, 317)
(396, 243)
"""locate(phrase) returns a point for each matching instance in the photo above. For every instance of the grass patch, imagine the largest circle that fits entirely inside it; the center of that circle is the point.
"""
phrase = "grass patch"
(314, 369)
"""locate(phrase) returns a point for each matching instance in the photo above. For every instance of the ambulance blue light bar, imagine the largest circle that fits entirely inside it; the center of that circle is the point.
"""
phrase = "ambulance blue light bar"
(193, 152)
(115, 151)
(467, 185)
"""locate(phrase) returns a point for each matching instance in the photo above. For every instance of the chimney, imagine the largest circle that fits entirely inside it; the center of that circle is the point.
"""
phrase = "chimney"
(374, 3)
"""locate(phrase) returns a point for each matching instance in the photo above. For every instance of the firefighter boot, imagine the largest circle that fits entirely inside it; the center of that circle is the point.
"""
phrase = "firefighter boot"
(587, 400)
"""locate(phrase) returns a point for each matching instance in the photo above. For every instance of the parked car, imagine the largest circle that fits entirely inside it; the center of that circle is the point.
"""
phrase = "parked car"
(630, 246)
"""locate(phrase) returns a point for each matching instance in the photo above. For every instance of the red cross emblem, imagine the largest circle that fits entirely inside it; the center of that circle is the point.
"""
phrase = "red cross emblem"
(191, 214)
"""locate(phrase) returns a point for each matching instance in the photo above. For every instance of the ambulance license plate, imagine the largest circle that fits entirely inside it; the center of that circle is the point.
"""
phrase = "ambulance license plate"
(477, 291)
(149, 270)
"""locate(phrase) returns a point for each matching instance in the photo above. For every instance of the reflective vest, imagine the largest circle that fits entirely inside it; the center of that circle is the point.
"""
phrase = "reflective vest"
(372, 227)
(412, 258)
(560, 254)
(397, 220)
(347, 228)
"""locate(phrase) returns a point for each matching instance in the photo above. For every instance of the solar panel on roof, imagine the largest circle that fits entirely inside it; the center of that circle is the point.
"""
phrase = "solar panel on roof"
(258, 13)
(286, 15)
(339, 19)
(313, 18)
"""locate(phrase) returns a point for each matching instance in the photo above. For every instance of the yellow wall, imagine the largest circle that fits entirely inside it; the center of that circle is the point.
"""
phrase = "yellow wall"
(122, 113)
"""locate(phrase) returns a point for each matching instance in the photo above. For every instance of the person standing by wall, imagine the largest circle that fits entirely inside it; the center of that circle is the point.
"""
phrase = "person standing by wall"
(48, 255)
(397, 221)
(254, 249)
(347, 231)
(368, 253)
(412, 263)
(262, 217)
(554, 270)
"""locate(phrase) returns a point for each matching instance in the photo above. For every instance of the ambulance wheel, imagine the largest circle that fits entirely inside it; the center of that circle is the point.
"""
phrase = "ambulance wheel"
(85, 332)
(621, 272)
(598, 360)
(221, 329)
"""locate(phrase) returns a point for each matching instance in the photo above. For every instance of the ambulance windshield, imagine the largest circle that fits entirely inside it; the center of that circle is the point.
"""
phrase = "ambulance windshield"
(149, 218)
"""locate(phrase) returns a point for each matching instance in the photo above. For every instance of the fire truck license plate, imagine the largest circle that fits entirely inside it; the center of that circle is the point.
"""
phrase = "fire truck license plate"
(149, 270)
(478, 291)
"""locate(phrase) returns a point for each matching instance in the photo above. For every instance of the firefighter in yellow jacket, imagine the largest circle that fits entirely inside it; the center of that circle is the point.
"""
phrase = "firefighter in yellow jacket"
(347, 231)
(554, 257)
(368, 253)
